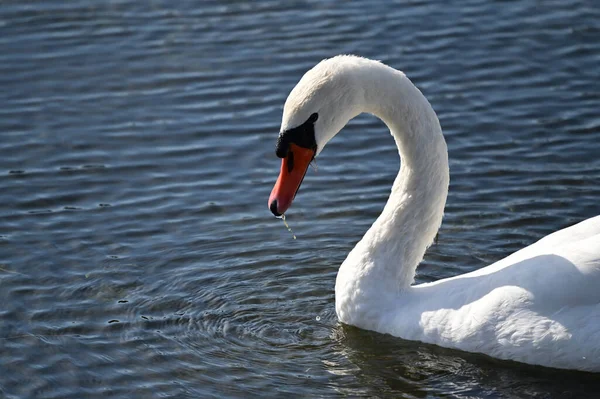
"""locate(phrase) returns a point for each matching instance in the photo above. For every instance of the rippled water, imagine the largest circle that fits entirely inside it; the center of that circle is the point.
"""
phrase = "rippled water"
(137, 255)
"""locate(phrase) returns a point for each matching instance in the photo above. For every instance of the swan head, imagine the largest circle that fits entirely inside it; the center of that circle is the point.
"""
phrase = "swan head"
(317, 108)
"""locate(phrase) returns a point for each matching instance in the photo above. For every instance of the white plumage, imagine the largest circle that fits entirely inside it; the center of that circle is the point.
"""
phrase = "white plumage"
(540, 305)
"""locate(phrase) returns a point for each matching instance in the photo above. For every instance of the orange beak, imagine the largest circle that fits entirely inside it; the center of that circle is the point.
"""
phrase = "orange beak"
(293, 169)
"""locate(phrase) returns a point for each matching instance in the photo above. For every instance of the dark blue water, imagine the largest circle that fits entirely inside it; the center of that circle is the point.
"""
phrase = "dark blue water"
(138, 258)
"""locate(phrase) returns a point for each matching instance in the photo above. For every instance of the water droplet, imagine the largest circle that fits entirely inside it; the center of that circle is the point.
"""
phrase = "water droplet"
(318, 318)
(287, 226)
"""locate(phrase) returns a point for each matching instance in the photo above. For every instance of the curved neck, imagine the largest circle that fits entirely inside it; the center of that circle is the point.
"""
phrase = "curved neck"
(388, 254)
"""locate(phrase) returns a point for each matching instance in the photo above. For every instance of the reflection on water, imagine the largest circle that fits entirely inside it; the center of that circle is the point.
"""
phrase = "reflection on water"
(420, 370)
(137, 256)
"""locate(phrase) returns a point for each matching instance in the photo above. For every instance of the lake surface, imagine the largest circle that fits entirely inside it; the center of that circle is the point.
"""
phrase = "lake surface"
(138, 258)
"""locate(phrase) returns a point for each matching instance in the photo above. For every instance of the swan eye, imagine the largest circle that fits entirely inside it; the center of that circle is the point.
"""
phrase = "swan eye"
(303, 136)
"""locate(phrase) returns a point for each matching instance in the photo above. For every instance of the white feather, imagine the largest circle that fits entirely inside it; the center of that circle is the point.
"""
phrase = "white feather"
(540, 305)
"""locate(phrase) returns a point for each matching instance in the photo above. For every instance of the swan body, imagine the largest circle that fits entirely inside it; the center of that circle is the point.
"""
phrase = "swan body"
(540, 305)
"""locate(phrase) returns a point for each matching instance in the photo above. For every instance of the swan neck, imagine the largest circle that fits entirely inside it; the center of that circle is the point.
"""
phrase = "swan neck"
(392, 248)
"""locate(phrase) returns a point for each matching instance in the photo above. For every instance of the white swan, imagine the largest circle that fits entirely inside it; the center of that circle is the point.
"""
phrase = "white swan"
(540, 305)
